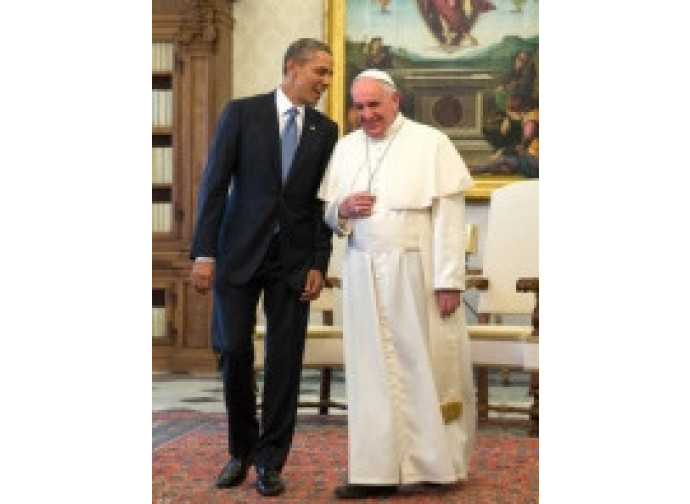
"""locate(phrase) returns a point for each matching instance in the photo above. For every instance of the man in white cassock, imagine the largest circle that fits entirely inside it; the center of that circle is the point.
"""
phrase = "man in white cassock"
(395, 189)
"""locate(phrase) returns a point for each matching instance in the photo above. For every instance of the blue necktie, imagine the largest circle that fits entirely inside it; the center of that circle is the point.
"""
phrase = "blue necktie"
(289, 141)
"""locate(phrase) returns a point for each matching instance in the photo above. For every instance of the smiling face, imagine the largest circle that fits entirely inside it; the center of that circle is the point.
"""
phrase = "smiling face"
(376, 105)
(306, 80)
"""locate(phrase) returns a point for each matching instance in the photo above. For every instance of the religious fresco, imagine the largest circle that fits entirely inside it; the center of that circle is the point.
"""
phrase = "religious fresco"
(468, 67)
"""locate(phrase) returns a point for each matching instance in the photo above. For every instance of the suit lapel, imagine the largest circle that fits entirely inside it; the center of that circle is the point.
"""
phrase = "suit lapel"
(267, 115)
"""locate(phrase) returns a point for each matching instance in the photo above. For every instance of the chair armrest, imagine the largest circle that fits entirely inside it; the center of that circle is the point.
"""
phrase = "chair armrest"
(477, 282)
(530, 284)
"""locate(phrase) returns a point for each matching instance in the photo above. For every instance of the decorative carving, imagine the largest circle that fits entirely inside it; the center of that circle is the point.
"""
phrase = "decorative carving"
(198, 21)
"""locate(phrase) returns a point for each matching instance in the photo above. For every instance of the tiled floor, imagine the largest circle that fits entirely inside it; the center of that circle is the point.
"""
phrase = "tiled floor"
(204, 392)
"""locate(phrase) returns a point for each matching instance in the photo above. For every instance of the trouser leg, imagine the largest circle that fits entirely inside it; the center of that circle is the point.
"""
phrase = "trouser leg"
(234, 319)
(286, 318)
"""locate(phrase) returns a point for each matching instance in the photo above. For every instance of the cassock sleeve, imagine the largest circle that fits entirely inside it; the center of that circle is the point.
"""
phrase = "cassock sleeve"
(328, 192)
(447, 244)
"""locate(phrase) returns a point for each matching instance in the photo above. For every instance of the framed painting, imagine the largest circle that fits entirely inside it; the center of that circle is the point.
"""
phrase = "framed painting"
(467, 67)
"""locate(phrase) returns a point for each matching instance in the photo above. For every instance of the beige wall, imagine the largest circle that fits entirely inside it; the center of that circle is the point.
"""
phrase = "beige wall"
(263, 29)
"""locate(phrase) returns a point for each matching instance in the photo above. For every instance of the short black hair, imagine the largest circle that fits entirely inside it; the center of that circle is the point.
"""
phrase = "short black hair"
(302, 50)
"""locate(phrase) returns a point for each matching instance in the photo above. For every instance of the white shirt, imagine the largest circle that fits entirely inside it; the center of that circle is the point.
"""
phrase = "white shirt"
(283, 103)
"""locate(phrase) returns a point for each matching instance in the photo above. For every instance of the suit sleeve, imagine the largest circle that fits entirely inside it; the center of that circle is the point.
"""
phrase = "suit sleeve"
(215, 182)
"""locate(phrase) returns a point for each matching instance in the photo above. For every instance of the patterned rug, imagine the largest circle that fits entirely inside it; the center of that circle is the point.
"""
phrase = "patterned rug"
(189, 449)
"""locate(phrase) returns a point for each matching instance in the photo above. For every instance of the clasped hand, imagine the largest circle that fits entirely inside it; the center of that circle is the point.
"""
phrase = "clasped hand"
(357, 205)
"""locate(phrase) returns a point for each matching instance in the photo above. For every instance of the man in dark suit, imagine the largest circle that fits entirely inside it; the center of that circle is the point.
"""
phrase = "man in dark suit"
(260, 230)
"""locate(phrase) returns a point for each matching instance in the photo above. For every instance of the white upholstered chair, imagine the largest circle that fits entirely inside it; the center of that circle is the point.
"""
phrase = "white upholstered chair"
(507, 334)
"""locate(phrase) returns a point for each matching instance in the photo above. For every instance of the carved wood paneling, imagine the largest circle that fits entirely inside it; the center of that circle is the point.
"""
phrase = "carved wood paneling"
(196, 27)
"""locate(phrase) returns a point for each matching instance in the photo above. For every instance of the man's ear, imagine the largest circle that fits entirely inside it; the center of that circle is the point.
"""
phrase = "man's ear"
(397, 97)
(289, 67)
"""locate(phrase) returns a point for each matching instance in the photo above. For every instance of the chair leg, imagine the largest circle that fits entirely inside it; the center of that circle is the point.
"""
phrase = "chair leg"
(483, 393)
(534, 410)
(505, 376)
(325, 392)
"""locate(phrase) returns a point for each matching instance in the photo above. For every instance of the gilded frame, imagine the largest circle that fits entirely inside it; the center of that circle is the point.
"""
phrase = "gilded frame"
(334, 29)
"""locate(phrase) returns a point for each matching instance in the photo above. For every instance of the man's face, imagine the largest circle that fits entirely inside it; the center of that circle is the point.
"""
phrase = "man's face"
(309, 79)
(376, 107)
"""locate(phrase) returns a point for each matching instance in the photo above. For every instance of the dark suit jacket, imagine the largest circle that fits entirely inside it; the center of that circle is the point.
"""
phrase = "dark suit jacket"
(244, 157)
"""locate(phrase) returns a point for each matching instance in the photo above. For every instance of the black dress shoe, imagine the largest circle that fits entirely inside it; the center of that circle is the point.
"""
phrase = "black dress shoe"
(269, 482)
(363, 491)
(233, 474)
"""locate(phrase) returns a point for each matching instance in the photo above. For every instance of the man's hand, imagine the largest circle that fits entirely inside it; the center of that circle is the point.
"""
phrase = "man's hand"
(202, 275)
(448, 301)
(356, 205)
(313, 286)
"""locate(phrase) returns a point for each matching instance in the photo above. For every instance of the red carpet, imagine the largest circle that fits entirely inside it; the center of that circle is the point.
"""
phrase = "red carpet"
(189, 449)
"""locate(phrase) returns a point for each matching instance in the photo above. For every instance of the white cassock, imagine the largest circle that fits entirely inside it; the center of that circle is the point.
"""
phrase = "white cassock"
(402, 360)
